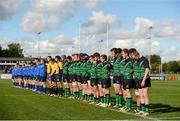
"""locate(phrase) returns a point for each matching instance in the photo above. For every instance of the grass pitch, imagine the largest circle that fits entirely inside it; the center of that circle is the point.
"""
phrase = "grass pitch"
(23, 104)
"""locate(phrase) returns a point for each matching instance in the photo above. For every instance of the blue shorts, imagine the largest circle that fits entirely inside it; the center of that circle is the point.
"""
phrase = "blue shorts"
(42, 79)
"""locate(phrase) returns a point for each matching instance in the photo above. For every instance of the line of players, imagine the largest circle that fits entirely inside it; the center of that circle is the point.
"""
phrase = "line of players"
(88, 78)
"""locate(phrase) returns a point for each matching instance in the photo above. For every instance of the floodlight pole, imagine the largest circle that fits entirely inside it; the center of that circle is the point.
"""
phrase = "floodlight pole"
(100, 50)
(79, 37)
(39, 33)
(107, 39)
(150, 34)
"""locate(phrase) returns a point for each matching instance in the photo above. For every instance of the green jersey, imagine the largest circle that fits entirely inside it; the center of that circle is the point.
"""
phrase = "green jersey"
(127, 74)
(78, 68)
(85, 68)
(99, 69)
(105, 70)
(93, 71)
(88, 68)
(118, 66)
(65, 67)
(70, 68)
(139, 68)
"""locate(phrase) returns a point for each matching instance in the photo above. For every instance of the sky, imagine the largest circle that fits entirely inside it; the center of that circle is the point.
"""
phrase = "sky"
(71, 26)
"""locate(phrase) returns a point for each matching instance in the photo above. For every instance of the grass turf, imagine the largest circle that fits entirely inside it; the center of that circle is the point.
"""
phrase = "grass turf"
(27, 105)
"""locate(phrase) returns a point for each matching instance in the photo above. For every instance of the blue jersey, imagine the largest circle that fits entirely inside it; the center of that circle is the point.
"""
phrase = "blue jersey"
(34, 71)
(31, 71)
(42, 70)
(28, 72)
(23, 71)
(13, 72)
(18, 71)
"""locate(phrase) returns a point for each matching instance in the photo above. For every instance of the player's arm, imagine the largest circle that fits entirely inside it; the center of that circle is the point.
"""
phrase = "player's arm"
(53, 69)
(146, 74)
(147, 70)
(60, 67)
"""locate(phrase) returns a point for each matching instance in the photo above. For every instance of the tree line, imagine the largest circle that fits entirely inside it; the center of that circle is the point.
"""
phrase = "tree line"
(12, 50)
(167, 67)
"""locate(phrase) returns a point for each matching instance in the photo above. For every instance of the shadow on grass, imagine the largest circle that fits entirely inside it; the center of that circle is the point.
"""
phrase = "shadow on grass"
(157, 108)
(162, 108)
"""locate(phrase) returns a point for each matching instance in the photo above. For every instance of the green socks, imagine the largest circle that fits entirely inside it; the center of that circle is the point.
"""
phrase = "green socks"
(119, 99)
(76, 95)
(128, 103)
(147, 108)
(107, 99)
(80, 94)
(101, 99)
(143, 107)
(66, 92)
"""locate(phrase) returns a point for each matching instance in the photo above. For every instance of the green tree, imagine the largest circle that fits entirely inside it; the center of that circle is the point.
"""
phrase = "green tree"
(13, 50)
(155, 63)
(171, 67)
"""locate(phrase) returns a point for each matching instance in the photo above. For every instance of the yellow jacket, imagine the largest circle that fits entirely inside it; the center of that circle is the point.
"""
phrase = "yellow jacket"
(57, 67)
(49, 67)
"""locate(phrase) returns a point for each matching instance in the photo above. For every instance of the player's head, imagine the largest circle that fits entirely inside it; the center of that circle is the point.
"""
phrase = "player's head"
(38, 61)
(17, 65)
(63, 57)
(125, 53)
(91, 58)
(119, 52)
(78, 57)
(96, 56)
(53, 61)
(42, 61)
(135, 55)
(57, 58)
(69, 58)
(113, 52)
(86, 57)
(103, 58)
(131, 50)
(49, 58)
(81, 55)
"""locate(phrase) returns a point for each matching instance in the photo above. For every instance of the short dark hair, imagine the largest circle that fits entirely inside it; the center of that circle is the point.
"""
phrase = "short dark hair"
(118, 50)
(49, 56)
(114, 50)
(104, 56)
(69, 57)
(58, 57)
(96, 55)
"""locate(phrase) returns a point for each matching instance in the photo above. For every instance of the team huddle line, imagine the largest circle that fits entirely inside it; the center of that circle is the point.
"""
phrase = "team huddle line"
(88, 78)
